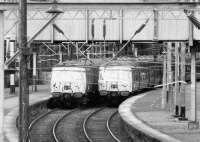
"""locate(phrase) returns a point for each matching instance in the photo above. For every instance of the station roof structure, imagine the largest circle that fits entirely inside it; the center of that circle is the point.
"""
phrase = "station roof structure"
(116, 1)
(104, 1)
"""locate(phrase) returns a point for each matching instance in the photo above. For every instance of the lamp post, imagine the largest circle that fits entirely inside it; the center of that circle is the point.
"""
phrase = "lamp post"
(193, 21)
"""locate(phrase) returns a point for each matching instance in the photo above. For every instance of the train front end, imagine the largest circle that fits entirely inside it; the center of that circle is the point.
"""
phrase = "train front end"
(115, 81)
(68, 82)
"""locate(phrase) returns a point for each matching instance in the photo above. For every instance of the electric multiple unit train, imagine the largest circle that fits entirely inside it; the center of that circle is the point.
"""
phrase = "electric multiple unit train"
(125, 78)
(83, 82)
(70, 81)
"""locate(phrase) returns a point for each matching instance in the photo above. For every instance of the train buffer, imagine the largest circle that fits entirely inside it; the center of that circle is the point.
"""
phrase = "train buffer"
(158, 123)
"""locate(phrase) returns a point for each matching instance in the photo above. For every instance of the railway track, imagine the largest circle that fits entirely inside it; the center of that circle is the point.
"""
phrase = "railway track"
(116, 129)
(77, 125)
(97, 126)
(56, 125)
(41, 128)
(69, 127)
(108, 124)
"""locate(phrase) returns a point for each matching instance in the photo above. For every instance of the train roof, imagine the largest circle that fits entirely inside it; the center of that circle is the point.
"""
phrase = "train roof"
(133, 62)
(123, 61)
(82, 63)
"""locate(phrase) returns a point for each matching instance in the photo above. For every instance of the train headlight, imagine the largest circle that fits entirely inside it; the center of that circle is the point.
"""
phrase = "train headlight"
(77, 87)
(102, 86)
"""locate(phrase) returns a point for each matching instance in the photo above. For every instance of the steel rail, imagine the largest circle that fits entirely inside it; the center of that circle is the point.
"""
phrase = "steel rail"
(58, 121)
(36, 120)
(85, 123)
(109, 128)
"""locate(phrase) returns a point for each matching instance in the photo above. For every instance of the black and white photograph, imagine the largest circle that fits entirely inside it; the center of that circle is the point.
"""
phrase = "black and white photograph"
(99, 70)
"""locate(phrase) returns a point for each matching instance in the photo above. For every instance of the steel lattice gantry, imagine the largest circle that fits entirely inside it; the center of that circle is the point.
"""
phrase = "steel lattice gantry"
(167, 21)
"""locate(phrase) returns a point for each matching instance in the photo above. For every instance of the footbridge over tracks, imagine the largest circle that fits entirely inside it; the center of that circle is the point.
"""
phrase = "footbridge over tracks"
(112, 20)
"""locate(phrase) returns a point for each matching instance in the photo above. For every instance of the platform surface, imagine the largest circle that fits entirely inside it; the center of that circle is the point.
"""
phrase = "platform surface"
(148, 109)
(11, 109)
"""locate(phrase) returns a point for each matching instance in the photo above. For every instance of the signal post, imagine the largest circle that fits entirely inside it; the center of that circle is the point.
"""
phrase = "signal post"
(164, 88)
(34, 71)
(182, 91)
(169, 78)
(12, 75)
(177, 86)
(193, 124)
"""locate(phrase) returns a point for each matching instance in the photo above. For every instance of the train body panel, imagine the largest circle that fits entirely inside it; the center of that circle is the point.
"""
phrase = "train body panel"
(136, 80)
(143, 78)
(92, 79)
(115, 79)
(158, 75)
(74, 81)
(127, 78)
(68, 80)
(152, 79)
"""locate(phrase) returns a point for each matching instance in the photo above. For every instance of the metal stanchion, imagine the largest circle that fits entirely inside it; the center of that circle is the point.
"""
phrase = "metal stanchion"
(1, 75)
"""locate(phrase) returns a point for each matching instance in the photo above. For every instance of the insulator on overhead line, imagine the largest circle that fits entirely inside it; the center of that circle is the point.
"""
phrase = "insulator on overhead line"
(142, 26)
(58, 29)
(192, 18)
(92, 29)
(104, 28)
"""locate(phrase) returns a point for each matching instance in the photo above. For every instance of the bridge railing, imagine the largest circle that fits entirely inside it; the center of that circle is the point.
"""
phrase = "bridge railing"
(29, 1)
(8, 1)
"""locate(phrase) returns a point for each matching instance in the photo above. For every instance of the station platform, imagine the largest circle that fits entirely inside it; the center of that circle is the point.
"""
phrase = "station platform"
(144, 113)
(11, 109)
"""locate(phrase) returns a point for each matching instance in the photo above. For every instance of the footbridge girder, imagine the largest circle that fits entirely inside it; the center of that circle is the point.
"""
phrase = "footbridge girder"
(99, 21)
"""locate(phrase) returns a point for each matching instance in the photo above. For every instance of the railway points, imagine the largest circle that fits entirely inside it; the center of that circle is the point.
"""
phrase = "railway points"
(146, 116)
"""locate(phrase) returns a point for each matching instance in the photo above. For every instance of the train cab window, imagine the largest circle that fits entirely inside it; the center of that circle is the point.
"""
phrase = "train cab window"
(143, 75)
(100, 76)
(187, 68)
